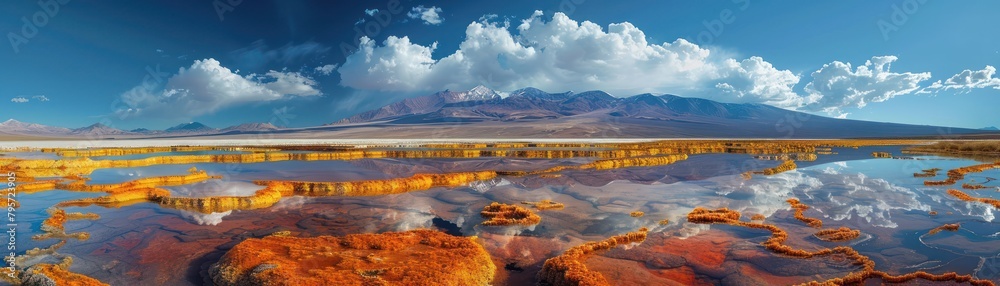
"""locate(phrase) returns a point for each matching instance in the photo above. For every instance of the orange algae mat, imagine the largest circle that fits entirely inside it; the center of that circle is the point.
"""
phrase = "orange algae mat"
(397, 258)
(776, 243)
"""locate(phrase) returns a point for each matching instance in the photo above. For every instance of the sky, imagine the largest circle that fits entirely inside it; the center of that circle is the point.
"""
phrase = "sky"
(154, 64)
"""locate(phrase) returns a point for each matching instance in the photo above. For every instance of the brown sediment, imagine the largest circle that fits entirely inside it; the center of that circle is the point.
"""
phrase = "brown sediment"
(758, 217)
(959, 147)
(57, 274)
(417, 257)
(881, 154)
(778, 237)
(785, 157)
(785, 166)
(838, 234)
(968, 186)
(636, 214)
(966, 197)
(927, 173)
(497, 214)
(569, 268)
(932, 213)
(800, 208)
(956, 175)
(546, 205)
(948, 227)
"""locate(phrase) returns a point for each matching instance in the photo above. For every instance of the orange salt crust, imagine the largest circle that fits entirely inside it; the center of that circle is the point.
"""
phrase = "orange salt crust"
(881, 154)
(758, 217)
(636, 214)
(968, 186)
(785, 166)
(569, 268)
(965, 197)
(932, 213)
(275, 190)
(497, 214)
(664, 222)
(948, 227)
(838, 234)
(778, 237)
(57, 273)
(927, 173)
(53, 227)
(545, 205)
(800, 208)
(415, 257)
(956, 175)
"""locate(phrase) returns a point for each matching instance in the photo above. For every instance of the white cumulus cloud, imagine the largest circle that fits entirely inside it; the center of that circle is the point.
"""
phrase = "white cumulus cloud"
(40, 98)
(563, 54)
(969, 79)
(19, 99)
(325, 69)
(430, 15)
(207, 86)
(837, 86)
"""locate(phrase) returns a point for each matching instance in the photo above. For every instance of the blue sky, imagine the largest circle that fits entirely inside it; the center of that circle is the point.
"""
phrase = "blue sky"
(135, 64)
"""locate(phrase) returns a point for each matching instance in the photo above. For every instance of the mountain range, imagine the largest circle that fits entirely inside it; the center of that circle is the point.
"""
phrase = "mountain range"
(530, 112)
(99, 130)
(533, 113)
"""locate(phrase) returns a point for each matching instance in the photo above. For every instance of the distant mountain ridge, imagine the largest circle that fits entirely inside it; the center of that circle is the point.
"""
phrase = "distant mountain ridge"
(533, 112)
(100, 130)
(250, 127)
(423, 104)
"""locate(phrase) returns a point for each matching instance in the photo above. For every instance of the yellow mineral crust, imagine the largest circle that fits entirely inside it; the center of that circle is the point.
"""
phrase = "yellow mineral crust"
(785, 166)
(418, 257)
(53, 227)
(275, 190)
(497, 214)
(546, 205)
(43, 274)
